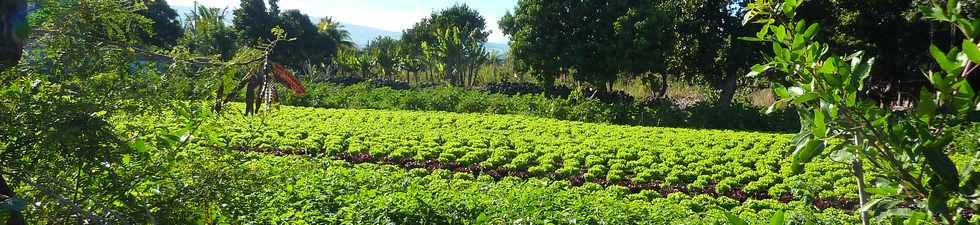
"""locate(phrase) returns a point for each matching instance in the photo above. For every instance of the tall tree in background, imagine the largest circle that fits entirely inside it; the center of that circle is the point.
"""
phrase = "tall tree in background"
(708, 50)
(421, 42)
(306, 44)
(166, 26)
(336, 32)
(386, 53)
(587, 39)
(454, 58)
(205, 33)
(309, 45)
(253, 22)
(13, 32)
(893, 31)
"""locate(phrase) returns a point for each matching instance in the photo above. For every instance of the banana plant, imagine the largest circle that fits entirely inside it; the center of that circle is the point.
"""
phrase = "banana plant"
(908, 149)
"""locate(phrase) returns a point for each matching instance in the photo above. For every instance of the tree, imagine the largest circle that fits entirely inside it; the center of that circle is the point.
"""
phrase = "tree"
(454, 58)
(907, 150)
(253, 22)
(305, 45)
(206, 33)
(891, 30)
(461, 21)
(309, 45)
(13, 32)
(336, 32)
(587, 39)
(386, 53)
(166, 26)
(708, 50)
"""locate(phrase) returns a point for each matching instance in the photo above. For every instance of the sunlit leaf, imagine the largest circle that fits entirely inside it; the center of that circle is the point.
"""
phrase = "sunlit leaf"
(971, 50)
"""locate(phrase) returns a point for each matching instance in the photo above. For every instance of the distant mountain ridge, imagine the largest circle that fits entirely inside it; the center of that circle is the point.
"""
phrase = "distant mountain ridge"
(360, 34)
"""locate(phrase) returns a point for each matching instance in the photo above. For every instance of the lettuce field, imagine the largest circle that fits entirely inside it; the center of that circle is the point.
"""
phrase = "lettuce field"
(374, 166)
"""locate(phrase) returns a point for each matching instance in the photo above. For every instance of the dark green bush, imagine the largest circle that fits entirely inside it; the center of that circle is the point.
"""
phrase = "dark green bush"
(575, 107)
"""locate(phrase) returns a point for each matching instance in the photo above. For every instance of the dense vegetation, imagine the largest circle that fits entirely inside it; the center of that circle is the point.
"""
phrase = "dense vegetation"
(124, 112)
(574, 106)
(446, 167)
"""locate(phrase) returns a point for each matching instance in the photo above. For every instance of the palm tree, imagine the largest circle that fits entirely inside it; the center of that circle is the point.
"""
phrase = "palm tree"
(336, 32)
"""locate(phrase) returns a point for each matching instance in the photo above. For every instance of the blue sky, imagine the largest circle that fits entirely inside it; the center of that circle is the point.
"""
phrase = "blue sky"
(391, 15)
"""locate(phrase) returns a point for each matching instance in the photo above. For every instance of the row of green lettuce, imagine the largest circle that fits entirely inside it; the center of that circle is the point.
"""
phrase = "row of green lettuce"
(208, 182)
(698, 160)
(575, 107)
(252, 188)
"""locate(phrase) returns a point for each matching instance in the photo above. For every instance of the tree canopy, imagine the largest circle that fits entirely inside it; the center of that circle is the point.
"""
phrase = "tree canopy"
(166, 24)
(592, 41)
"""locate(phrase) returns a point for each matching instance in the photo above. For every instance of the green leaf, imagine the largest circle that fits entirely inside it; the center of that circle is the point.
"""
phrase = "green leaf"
(963, 100)
(938, 81)
(763, 32)
(778, 219)
(812, 30)
(745, 19)
(819, 124)
(758, 69)
(863, 71)
(781, 92)
(805, 98)
(750, 39)
(941, 58)
(916, 218)
(971, 186)
(805, 153)
(951, 6)
(139, 145)
(795, 91)
(942, 167)
(780, 32)
(971, 50)
(934, 12)
(734, 220)
(868, 206)
(936, 203)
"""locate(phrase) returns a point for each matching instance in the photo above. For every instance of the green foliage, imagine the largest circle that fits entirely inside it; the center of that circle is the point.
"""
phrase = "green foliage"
(551, 148)
(335, 32)
(576, 107)
(205, 33)
(593, 41)
(14, 32)
(235, 186)
(308, 45)
(300, 190)
(454, 57)
(909, 149)
(386, 52)
(449, 42)
(253, 22)
(166, 29)
(891, 30)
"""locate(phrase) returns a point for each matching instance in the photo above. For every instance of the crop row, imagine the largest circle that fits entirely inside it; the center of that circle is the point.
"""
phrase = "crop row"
(261, 188)
(698, 160)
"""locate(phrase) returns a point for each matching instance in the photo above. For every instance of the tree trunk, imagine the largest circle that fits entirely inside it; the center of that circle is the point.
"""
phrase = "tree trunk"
(728, 90)
(15, 217)
(11, 44)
